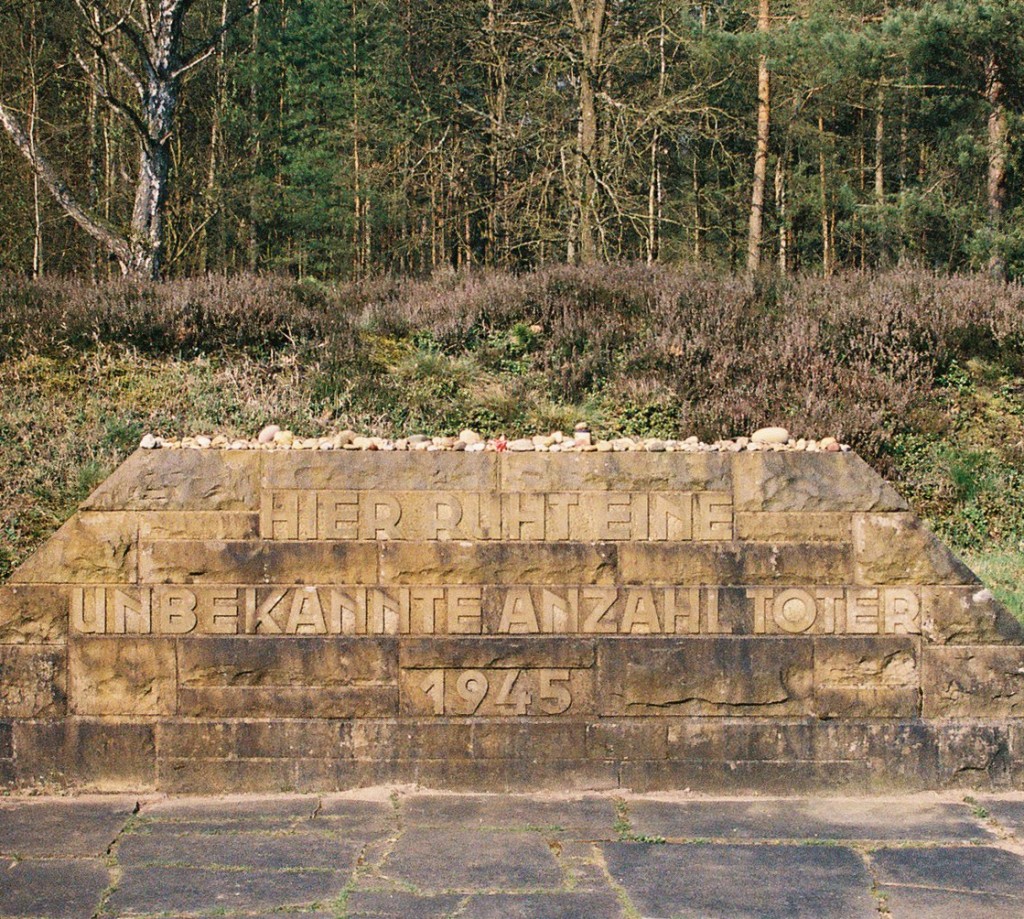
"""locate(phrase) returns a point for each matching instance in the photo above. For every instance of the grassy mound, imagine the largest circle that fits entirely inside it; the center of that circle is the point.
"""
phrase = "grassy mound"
(923, 374)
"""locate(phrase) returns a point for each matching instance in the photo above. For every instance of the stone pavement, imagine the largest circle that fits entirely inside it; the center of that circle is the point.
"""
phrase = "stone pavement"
(400, 852)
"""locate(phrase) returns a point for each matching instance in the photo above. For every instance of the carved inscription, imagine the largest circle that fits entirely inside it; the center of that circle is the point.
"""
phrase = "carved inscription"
(492, 610)
(494, 691)
(516, 516)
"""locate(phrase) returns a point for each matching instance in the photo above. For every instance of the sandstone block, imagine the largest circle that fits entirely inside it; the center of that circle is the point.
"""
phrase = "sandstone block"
(504, 652)
(794, 526)
(899, 549)
(967, 616)
(730, 739)
(610, 472)
(866, 678)
(263, 739)
(968, 681)
(627, 739)
(34, 680)
(824, 482)
(498, 692)
(175, 480)
(89, 754)
(228, 525)
(256, 562)
(297, 677)
(735, 563)
(91, 548)
(750, 677)
(175, 775)
(122, 676)
(380, 471)
(974, 755)
(533, 741)
(497, 563)
(33, 614)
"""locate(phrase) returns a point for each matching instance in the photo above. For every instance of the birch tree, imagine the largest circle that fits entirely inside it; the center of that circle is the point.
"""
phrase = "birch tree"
(135, 55)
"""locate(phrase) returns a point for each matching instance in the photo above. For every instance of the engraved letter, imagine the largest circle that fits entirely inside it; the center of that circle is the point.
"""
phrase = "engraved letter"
(559, 506)
(862, 612)
(518, 617)
(447, 515)
(88, 610)
(671, 516)
(640, 615)
(379, 514)
(599, 619)
(560, 614)
(762, 597)
(902, 611)
(338, 514)
(306, 615)
(175, 611)
(465, 612)
(523, 516)
(714, 516)
(682, 610)
(794, 611)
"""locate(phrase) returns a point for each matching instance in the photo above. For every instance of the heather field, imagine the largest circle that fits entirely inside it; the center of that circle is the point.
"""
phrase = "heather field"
(923, 374)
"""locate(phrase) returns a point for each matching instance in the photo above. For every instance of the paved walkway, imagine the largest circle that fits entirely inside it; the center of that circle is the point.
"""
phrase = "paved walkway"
(403, 853)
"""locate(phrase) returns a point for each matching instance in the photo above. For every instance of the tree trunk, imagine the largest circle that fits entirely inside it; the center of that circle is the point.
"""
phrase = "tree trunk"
(761, 150)
(590, 18)
(997, 150)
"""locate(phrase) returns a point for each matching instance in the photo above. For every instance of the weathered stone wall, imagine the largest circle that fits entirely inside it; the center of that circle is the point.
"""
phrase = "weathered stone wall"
(247, 620)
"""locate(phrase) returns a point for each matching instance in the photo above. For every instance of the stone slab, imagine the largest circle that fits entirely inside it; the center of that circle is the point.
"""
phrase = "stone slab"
(896, 820)
(122, 676)
(973, 869)
(173, 844)
(714, 676)
(62, 827)
(91, 548)
(823, 482)
(924, 903)
(549, 905)
(54, 888)
(388, 904)
(198, 891)
(973, 681)
(588, 817)
(471, 860)
(177, 480)
(742, 882)
(900, 549)
(233, 813)
(34, 681)
(33, 614)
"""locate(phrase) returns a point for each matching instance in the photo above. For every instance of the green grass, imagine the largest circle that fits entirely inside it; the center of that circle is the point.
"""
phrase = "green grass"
(1003, 573)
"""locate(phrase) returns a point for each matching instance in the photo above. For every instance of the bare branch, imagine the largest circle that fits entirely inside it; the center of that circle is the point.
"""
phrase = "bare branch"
(96, 227)
(201, 51)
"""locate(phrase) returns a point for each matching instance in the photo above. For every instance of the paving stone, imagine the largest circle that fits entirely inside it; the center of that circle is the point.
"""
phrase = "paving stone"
(164, 844)
(979, 869)
(1009, 813)
(63, 827)
(923, 903)
(393, 903)
(472, 860)
(191, 891)
(54, 888)
(370, 818)
(259, 809)
(742, 882)
(548, 905)
(591, 817)
(807, 819)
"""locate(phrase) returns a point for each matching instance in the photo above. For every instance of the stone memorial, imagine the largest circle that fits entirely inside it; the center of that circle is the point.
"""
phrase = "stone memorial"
(272, 619)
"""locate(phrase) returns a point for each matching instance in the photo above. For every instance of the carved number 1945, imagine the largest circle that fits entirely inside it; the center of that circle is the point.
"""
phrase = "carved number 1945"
(510, 692)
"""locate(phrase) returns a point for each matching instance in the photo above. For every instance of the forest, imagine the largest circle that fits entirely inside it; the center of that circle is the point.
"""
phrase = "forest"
(345, 139)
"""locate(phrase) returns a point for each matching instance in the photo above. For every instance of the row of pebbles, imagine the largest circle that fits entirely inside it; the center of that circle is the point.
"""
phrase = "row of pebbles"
(272, 437)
